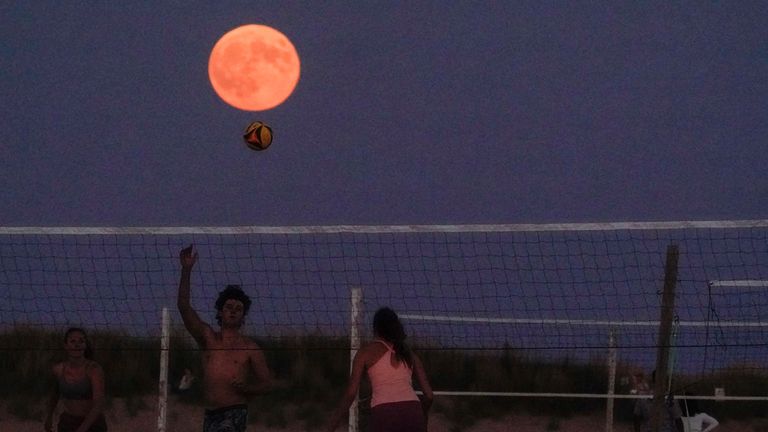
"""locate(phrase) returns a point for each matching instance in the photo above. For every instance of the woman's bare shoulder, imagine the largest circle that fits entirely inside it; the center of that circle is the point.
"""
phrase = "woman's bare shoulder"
(372, 351)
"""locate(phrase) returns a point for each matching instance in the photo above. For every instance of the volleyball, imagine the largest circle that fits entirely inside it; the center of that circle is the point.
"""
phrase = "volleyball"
(258, 136)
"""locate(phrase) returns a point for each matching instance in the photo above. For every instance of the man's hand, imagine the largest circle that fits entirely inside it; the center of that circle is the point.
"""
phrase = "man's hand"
(188, 257)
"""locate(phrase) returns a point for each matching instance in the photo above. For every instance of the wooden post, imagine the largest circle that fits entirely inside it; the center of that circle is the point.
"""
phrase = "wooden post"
(611, 380)
(665, 334)
(354, 346)
(162, 399)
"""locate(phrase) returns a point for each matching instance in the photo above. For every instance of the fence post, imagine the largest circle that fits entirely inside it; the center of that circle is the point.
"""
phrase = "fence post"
(162, 399)
(354, 346)
(611, 380)
(660, 389)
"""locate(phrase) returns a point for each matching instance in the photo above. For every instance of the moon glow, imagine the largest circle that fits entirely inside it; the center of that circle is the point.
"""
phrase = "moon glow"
(254, 67)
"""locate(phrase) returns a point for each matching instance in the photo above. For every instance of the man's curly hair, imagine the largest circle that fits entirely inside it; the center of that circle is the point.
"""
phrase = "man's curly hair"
(233, 292)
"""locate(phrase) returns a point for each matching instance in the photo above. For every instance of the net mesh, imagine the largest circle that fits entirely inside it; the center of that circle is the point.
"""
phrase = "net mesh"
(547, 293)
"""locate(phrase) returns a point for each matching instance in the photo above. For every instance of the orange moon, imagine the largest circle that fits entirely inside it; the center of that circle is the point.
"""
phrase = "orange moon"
(254, 67)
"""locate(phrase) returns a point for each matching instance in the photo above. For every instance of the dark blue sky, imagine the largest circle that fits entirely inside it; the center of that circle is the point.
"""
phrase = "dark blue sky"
(432, 113)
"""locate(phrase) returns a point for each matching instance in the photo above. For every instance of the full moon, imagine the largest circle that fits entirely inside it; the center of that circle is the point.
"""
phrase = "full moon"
(254, 67)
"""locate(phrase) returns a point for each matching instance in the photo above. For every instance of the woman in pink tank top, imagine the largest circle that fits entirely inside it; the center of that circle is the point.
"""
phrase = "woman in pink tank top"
(389, 363)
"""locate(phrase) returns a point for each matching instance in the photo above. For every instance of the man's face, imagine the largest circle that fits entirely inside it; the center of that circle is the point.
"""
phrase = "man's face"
(232, 313)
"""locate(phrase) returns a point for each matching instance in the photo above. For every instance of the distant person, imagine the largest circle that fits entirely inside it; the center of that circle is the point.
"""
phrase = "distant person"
(389, 362)
(186, 381)
(694, 420)
(641, 412)
(79, 386)
(229, 357)
(671, 414)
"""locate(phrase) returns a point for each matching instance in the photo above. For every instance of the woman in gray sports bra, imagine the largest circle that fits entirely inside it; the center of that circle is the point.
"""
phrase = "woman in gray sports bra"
(79, 386)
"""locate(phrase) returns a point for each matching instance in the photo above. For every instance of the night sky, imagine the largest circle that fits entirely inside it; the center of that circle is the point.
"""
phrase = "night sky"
(425, 113)
(405, 113)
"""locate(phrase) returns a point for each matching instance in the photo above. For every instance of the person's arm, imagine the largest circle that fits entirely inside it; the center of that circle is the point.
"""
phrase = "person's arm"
(259, 368)
(421, 377)
(53, 402)
(710, 421)
(97, 387)
(195, 326)
(358, 367)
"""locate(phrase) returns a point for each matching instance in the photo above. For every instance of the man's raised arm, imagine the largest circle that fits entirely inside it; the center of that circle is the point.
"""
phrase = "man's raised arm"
(195, 326)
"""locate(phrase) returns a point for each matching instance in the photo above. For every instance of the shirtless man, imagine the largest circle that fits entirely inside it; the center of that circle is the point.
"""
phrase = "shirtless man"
(228, 356)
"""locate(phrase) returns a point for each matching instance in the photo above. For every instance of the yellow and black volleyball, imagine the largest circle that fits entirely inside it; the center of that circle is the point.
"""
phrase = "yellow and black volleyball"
(258, 136)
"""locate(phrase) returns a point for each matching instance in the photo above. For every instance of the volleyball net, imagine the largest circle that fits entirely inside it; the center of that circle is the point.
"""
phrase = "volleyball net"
(530, 295)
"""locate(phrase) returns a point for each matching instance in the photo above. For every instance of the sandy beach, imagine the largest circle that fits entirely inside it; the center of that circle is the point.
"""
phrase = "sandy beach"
(184, 418)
